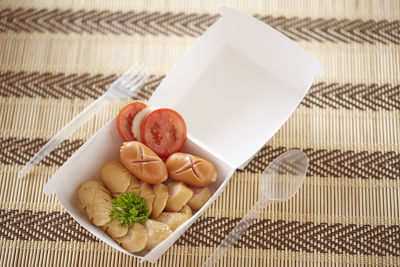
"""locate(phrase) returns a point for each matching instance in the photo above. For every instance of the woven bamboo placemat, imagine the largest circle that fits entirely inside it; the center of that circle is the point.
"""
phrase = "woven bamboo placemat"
(57, 56)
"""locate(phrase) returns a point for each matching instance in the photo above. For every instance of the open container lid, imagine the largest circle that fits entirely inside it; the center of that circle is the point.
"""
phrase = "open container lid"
(237, 85)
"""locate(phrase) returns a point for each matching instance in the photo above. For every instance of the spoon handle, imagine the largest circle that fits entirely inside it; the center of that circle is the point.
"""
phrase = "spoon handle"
(237, 232)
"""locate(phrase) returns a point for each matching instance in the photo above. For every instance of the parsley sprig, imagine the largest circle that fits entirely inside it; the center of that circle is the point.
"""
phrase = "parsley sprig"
(129, 208)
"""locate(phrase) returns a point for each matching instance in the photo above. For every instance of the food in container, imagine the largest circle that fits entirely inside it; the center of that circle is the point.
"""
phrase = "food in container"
(145, 211)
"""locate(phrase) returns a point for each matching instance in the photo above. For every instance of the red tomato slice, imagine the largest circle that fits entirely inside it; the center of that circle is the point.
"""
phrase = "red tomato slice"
(125, 118)
(164, 131)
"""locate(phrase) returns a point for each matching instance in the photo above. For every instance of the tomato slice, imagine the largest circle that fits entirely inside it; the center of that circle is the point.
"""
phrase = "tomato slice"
(164, 131)
(124, 120)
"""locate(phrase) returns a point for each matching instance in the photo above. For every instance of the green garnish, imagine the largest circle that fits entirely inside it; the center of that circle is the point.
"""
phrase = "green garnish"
(129, 208)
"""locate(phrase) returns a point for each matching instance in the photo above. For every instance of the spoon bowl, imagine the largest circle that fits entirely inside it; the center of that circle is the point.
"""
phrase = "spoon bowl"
(283, 177)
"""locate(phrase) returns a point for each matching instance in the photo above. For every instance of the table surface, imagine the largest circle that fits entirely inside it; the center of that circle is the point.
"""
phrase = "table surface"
(56, 57)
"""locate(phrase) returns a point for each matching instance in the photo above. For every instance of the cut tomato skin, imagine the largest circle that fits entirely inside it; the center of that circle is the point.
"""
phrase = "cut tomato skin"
(164, 131)
(125, 118)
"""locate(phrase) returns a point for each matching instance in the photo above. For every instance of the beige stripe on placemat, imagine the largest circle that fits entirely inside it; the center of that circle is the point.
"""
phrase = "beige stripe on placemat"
(113, 55)
(320, 199)
(27, 193)
(41, 117)
(318, 128)
(76, 53)
(34, 253)
(353, 9)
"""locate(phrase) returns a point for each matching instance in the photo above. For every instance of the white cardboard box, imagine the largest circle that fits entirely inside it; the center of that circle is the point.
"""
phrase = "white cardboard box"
(235, 87)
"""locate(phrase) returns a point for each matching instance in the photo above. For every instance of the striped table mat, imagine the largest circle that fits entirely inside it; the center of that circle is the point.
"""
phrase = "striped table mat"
(57, 56)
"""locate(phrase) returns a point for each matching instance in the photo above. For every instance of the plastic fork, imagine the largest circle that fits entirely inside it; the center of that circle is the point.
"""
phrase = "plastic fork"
(122, 88)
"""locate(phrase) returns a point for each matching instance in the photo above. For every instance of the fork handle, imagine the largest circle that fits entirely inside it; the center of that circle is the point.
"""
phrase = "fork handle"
(64, 133)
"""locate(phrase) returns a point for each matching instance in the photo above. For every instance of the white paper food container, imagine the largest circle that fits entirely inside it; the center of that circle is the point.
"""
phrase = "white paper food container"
(235, 88)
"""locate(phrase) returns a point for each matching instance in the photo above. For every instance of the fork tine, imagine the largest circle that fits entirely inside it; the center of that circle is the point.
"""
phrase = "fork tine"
(128, 73)
(133, 75)
(133, 69)
(138, 80)
(140, 83)
(139, 75)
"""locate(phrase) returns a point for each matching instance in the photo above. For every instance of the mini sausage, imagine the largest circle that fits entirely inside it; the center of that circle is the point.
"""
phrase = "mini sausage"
(96, 201)
(186, 210)
(200, 196)
(172, 219)
(114, 229)
(156, 232)
(191, 170)
(179, 195)
(115, 176)
(136, 238)
(147, 192)
(143, 163)
(160, 200)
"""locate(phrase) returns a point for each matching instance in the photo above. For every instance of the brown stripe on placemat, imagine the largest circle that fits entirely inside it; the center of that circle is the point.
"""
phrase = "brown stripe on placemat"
(41, 225)
(337, 238)
(323, 163)
(322, 95)
(61, 85)
(191, 24)
(337, 163)
(19, 150)
(353, 96)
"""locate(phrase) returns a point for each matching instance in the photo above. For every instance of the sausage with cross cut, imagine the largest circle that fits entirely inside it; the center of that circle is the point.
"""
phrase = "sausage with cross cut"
(191, 170)
(143, 162)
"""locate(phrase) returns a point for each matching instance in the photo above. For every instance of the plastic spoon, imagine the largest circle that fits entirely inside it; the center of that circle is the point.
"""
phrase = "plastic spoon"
(280, 181)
